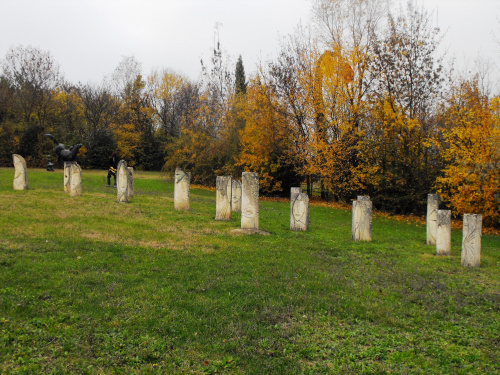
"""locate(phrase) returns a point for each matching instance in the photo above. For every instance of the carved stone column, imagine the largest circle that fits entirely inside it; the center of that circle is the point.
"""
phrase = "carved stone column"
(20, 173)
(182, 185)
(130, 179)
(75, 181)
(299, 212)
(122, 182)
(443, 237)
(236, 196)
(432, 208)
(223, 198)
(471, 241)
(362, 219)
(250, 201)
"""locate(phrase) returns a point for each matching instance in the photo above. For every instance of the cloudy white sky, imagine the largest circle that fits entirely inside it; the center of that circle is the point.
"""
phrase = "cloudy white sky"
(89, 37)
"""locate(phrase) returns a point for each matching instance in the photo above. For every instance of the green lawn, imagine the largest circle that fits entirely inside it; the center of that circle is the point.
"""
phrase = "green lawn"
(88, 285)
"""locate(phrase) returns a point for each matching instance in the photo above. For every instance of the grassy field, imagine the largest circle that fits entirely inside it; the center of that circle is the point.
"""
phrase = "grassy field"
(88, 285)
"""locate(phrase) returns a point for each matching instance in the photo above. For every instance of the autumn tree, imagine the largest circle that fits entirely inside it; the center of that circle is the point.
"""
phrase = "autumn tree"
(266, 142)
(400, 141)
(34, 76)
(167, 92)
(231, 134)
(100, 110)
(9, 130)
(65, 117)
(200, 147)
(124, 76)
(136, 132)
(340, 86)
(288, 79)
(471, 179)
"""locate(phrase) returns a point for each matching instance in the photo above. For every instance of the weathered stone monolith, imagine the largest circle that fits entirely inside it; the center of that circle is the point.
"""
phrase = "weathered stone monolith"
(250, 201)
(75, 181)
(362, 219)
(20, 173)
(236, 196)
(294, 191)
(130, 179)
(443, 234)
(67, 175)
(299, 212)
(182, 186)
(122, 182)
(432, 209)
(471, 240)
(223, 198)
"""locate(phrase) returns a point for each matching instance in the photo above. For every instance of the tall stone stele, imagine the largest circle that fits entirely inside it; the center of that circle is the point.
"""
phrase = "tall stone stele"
(443, 236)
(67, 175)
(122, 182)
(130, 179)
(299, 210)
(75, 181)
(471, 241)
(182, 185)
(294, 191)
(236, 196)
(223, 198)
(361, 219)
(250, 200)
(20, 173)
(432, 224)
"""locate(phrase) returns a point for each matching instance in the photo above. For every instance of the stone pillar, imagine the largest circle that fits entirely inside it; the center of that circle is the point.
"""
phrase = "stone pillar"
(223, 198)
(362, 219)
(122, 182)
(299, 211)
(236, 196)
(294, 191)
(67, 175)
(182, 186)
(471, 241)
(432, 208)
(250, 201)
(443, 236)
(130, 179)
(20, 173)
(75, 181)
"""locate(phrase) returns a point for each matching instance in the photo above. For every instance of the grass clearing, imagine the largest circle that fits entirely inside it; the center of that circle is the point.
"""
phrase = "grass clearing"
(88, 285)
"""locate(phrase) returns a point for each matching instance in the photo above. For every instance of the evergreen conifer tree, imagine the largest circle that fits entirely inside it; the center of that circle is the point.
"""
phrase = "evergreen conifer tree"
(240, 79)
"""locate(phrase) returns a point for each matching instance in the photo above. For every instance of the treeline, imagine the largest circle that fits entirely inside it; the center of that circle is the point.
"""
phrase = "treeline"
(358, 103)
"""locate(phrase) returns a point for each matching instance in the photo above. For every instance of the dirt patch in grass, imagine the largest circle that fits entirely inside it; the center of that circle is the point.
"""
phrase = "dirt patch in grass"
(247, 232)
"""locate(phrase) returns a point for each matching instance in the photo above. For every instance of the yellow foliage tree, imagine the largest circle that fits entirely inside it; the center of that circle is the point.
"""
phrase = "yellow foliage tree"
(471, 180)
(266, 142)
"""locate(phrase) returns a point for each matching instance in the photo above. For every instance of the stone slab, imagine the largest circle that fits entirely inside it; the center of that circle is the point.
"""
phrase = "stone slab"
(471, 240)
(223, 198)
(250, 200)
(20, 173)
(122, 182)
(182, 186)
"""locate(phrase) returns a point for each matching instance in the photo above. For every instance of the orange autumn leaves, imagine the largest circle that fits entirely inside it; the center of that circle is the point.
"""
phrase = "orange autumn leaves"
(471, 179)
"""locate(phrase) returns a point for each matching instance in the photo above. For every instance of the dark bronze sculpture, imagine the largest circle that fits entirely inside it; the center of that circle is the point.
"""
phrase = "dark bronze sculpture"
(50, 165)
(64, 154)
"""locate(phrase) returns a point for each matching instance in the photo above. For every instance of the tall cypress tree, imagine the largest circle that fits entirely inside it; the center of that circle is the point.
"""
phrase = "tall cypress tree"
(240, 82)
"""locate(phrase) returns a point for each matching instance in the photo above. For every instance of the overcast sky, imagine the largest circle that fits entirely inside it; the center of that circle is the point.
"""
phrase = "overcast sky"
(88, 38)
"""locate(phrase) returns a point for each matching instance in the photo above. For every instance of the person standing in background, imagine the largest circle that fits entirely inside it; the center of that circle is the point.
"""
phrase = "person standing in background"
(113, 162)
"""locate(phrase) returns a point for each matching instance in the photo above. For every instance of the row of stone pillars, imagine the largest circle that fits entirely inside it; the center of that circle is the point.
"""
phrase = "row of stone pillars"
(439, 232)
(233, 196)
